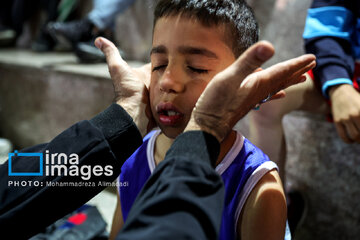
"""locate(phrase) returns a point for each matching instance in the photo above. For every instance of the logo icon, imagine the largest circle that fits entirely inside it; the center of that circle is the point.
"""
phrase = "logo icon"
(17, 154)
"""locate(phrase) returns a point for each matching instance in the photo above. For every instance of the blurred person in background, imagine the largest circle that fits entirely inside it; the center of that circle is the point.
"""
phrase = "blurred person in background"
(14, 15)
(332, 34)
(80, 34)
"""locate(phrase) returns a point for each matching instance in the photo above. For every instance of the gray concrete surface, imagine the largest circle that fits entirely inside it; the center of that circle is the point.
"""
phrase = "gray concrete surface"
(327, 171)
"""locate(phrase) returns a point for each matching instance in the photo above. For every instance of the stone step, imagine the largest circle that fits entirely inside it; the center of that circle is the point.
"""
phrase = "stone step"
(43, 94)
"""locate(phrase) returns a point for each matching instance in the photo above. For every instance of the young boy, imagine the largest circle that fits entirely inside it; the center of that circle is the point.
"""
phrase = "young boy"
(193, 40)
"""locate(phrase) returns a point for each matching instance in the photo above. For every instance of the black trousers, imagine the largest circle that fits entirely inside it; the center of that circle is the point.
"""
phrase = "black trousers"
(14, 13)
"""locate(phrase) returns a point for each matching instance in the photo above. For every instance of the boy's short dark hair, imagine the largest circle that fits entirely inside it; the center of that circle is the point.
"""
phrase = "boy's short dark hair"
(239, 20)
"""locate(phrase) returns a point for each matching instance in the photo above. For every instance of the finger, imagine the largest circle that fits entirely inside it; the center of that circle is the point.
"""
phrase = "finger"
(108, 48)
(251, 60)
(278, 95)
(305, 69)
(293, 81)
(352, 131)
(340, 128)
(290, 71)
(115, 63)
(296, 80)
(357, 121)
(302, 62)
(293, 66)
(357, 125)
(287, 73)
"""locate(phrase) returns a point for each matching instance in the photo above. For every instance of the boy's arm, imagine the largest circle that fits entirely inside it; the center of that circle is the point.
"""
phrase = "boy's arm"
(118, 220)
(264, 213)
(327, 35)
(345, 108)
(330, 40)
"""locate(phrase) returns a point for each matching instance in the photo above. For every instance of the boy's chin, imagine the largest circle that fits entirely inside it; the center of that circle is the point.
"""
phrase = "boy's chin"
(171, 132)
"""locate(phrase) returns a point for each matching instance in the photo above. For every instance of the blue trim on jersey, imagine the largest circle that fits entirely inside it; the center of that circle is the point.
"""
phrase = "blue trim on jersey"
(334, 82)
(329, 22)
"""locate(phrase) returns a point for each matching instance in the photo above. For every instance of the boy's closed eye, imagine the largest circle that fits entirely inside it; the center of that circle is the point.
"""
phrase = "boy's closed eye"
(198, 70)
(157, 68)
(192, 69)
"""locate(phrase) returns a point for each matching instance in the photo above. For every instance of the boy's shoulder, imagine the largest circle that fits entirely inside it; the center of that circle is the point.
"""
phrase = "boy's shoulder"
(247, 153)
(253, 152)
(244, 157)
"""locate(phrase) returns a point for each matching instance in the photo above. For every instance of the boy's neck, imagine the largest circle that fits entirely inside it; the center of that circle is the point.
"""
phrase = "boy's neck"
(163, 143)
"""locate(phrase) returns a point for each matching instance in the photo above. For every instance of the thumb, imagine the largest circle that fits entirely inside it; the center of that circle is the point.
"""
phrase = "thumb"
(252, 59)
(114, 61)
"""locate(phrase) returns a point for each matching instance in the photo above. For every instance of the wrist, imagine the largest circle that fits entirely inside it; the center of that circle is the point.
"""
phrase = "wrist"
(208, 125)
(334, 91)
(127, 107)
(137, 113)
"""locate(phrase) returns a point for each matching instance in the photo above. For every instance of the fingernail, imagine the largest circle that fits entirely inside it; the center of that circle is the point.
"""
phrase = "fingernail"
(264, 52)
(302, 79)
(98, 43)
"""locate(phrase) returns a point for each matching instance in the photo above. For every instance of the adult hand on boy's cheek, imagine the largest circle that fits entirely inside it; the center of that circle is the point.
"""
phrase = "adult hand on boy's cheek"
(130, 85)
(232, 93)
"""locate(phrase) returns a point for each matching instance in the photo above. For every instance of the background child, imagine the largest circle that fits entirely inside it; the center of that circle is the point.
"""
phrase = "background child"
(193, 41)
(332, 34)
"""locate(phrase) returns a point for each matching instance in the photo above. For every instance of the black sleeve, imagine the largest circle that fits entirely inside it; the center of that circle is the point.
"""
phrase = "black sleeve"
(30, 203)
(183, 198)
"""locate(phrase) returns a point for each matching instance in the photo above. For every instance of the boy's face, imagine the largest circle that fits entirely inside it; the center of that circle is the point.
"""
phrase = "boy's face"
(185, 56)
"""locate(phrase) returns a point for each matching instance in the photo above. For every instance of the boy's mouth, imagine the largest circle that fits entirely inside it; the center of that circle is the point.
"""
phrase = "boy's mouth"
(168, 114)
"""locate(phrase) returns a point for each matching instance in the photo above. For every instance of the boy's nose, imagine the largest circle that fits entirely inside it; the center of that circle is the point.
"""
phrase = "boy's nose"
(171, 82)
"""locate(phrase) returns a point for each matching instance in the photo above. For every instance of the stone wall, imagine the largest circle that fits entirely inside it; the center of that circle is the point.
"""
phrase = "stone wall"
(327, 171)
(37, 102)
(134, 30)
